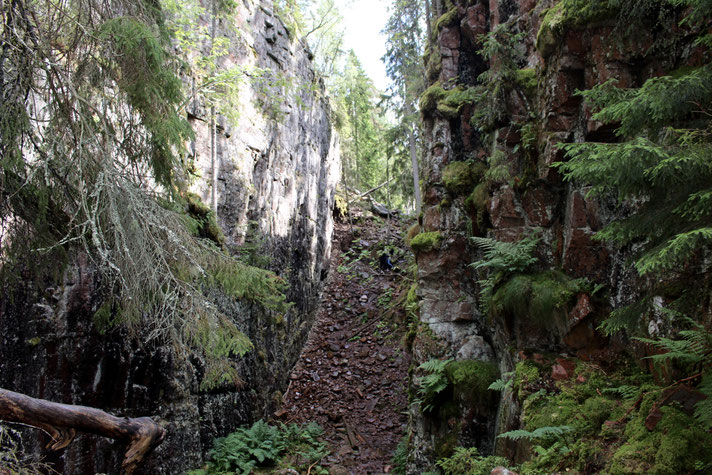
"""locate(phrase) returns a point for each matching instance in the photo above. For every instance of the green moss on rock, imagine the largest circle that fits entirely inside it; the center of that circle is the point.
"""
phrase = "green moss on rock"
(460, 177)
(472, 377)
(451, 104)
(425, 242)
(448, 19)
(526, 79)
(433, 64)
(430, 98)
(202, 220)
(413, 231)
(543, 297)
(571, 14)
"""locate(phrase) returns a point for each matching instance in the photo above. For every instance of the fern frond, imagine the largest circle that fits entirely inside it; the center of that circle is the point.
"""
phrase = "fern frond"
(504, 383)
(625, 391)
(703, 409)
(540, 433)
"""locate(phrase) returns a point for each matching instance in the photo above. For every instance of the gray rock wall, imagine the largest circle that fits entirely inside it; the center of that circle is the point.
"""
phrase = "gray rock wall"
(279, 165)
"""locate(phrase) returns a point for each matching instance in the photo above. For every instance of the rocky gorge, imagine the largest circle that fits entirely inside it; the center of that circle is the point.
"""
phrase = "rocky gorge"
(497, 344)
(276, 186)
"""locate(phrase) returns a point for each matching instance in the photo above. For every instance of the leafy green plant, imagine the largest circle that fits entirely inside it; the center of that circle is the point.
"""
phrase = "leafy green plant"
(433, 383)
(501, 260)
(263, 445)
(400, 457)
(693, 348)
(504, 383)
(538, 434)
(467, 461)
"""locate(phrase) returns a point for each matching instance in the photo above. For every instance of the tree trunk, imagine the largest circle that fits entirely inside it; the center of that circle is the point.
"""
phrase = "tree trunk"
(62, 421)
(213, 142)
(416, 171)
(428, 20)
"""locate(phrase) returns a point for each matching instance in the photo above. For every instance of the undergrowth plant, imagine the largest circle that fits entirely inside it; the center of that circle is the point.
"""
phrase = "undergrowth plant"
(433, 383)
(502, 260)
(692, 349)
(262, 445)
(468, 461)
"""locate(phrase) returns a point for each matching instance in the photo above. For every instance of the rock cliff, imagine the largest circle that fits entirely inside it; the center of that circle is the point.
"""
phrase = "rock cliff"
(279, 165)
(488, 174)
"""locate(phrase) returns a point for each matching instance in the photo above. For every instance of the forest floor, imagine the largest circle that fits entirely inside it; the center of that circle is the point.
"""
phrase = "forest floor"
(352, 375)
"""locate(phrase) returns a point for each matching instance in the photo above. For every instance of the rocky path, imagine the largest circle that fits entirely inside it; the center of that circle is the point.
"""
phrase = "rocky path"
(351, 376)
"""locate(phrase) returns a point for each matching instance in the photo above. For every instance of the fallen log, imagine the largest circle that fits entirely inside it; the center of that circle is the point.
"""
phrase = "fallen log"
(62, 421)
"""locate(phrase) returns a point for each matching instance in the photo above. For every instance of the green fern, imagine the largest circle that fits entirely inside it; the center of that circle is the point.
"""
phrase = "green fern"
(263, 445)
(703, 409)
(538, 434)
(433, 383)
(693, 347)
(625, 391)
(501, 260)
(504, 383)
(468, 461)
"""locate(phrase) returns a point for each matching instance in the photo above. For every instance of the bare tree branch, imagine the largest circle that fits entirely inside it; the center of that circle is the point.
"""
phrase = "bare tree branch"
(62, 421)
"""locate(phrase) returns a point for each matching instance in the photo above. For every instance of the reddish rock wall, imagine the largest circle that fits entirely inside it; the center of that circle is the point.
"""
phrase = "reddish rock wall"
(534, 198)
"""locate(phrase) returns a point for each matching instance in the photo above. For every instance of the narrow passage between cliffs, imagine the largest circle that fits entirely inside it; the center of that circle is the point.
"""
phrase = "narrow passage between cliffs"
(351, 377)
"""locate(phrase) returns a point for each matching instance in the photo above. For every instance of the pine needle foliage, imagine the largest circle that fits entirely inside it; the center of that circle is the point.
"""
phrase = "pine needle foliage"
(502, 44)
(693, 350)
(661, 168)
(91, 143)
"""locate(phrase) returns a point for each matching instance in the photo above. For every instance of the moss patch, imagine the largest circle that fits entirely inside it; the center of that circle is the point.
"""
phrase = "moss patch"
(202, 220)
(341, 207)
(425, 242)
(472, 378)
(571, 14)
(448, 19)
(527, 81)
(543, 297)
(451, 104)
(433, 64)
(413, 231)
(607, 412)
(460, 177)
(430, 98)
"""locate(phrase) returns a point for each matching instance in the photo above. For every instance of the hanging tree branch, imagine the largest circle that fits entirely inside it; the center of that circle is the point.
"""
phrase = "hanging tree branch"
(62, 421)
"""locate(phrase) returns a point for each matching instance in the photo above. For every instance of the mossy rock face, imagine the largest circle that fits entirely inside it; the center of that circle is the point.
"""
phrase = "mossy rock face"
(476, 203)
(472, 378)
(448, 19)
(543, 297)
(526, 79)
(430, 98)
(547, 36)
(433, 65)
(425, 242)
(451, 104)
(571, 14)
(526, 374)
(341, 208)
(461, 177)
(413, 231)
(205, 223)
